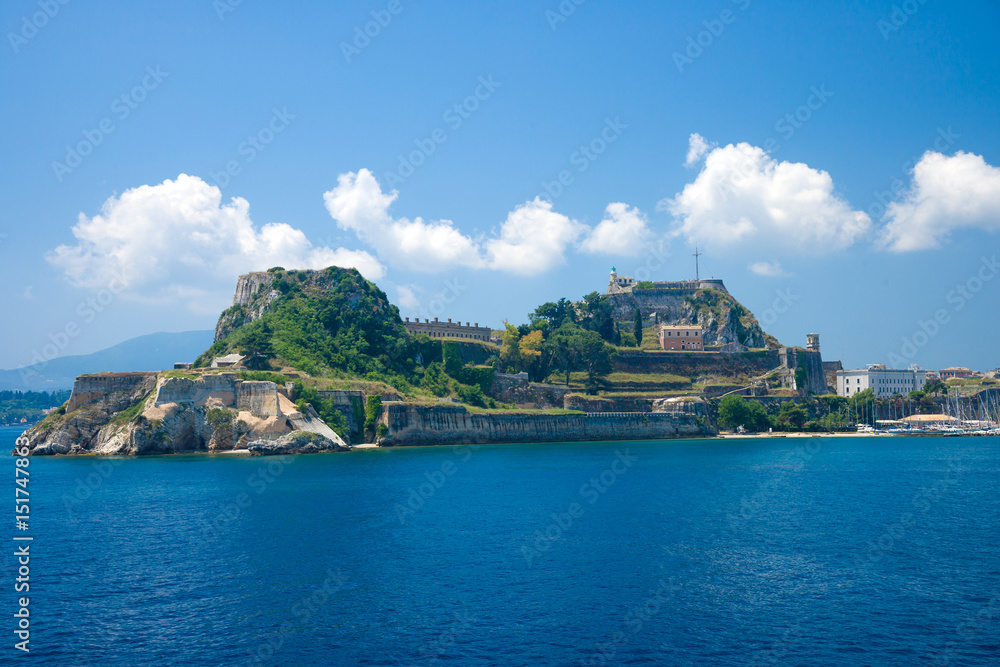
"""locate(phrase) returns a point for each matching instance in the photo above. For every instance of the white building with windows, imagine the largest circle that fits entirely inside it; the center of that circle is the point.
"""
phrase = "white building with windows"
(884, 381)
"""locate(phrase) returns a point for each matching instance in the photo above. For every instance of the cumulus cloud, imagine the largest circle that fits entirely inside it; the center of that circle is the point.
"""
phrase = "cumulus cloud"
(532, 239)
(697, 147)
(358, 204)
(742, 198)
(407, 297)
(623, 231)
(767, 269)
(945, 194)
(177, 241)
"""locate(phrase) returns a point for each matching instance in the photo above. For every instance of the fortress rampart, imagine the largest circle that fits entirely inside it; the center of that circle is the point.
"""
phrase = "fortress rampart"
(258, 398)
(91, 388)
(690, 364)
(222, 389)
(450, 425)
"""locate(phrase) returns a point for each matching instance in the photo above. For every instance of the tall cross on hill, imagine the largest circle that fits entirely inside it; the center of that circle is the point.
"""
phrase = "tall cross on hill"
(697, 275)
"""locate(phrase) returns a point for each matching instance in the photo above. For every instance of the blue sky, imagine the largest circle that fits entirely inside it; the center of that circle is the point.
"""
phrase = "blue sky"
(773, 135)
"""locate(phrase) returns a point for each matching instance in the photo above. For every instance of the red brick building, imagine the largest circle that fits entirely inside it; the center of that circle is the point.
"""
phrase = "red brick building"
(681, 337)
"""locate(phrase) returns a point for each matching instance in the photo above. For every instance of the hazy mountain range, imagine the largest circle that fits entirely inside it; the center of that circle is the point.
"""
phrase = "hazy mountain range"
(152, 352)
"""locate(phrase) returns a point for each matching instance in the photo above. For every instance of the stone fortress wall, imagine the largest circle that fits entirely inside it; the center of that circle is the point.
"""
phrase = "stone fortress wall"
(258, 398)
(452, 424)
(221, 390)
(351, 404)
(92, 388)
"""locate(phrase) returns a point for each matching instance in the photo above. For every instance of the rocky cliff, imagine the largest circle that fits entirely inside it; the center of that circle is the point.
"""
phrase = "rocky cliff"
(724, 319)
(329, 322)
(147, 413)
(253, 297)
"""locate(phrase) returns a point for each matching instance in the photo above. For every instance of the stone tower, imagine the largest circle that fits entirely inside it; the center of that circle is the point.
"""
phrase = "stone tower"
(812, 342)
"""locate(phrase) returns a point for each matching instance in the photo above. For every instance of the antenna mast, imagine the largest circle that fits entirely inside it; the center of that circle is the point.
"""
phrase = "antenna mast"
(697, 275)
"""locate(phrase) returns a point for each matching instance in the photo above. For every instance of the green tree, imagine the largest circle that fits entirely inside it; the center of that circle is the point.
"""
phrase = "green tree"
(736, 411)
(733, 411)
(452, 358)
(534, 354)
(510, 348)
(564, 348)
(373, 410)
(435, 380)
(598, 315)
(792, 415)
(638, 328)
(257, 346)
(471, 394)
(596, 356)
(554, 313)
(936, 387)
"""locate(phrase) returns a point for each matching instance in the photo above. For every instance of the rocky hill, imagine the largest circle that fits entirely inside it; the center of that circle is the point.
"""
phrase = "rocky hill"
(329, 322)
(320, 322)
(725, 320)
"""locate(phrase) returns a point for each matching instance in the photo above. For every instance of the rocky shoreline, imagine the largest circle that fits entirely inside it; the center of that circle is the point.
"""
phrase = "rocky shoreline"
(136, 414)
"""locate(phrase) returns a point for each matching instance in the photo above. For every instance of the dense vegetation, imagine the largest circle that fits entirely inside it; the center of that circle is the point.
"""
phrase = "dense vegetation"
(29, 405)
(821, 413)
(335, 324)
(564, 337)
(331, 322)
(825, 413)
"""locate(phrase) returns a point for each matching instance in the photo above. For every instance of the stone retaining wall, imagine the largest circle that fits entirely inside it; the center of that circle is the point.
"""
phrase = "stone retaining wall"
(258, 398)
(518, 390)
(447, 425)
(92, 388)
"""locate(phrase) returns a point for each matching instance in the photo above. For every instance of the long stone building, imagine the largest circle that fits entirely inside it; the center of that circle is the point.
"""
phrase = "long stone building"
(448, 329)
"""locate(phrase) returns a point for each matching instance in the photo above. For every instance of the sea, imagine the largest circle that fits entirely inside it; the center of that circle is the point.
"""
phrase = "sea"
(767, 551)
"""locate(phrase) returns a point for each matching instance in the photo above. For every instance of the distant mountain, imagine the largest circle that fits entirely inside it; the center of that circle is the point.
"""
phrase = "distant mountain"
(152, 352)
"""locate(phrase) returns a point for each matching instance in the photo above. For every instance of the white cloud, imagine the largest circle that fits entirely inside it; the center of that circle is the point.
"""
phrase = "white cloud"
(359, 205)
(945, 194)
(767, 269)
(623, 231)
(697, 147)
(532, 239)
(176, 241)
(406, 297)
(743, 198)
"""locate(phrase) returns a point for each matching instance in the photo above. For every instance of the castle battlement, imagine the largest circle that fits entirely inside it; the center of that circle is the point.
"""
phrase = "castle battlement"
(447, 329)
(619, 284)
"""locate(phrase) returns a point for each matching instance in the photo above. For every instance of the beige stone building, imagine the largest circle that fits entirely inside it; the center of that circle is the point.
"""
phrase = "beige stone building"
(448, 329)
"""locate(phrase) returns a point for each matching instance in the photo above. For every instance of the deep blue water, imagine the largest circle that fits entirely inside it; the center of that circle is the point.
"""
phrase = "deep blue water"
(874, 551)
